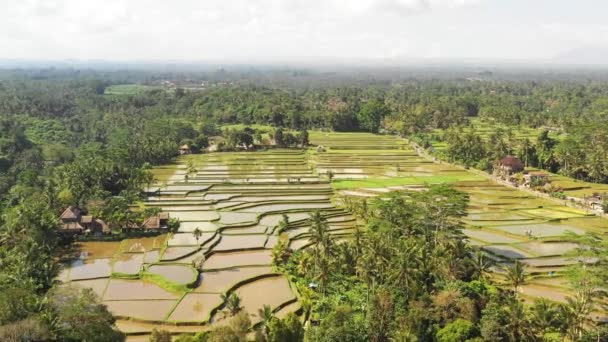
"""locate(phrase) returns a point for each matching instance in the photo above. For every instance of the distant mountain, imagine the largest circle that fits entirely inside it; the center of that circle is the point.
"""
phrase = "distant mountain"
(595, 55)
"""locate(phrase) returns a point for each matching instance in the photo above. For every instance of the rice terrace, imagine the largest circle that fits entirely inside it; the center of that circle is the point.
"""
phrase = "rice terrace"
(196, 172)
(235, 207)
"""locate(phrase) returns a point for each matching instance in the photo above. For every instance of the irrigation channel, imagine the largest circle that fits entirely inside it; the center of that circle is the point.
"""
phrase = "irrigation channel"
(239, 198)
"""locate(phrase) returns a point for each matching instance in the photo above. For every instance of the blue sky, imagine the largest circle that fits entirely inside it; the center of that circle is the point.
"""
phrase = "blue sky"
(292, 30)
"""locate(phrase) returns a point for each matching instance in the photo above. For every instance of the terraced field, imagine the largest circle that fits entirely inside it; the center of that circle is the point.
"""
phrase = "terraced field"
(237, 200)
(507, 223)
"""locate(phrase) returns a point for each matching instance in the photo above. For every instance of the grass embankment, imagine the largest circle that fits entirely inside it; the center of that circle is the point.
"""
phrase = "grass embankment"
(342, 184)
(164, 283)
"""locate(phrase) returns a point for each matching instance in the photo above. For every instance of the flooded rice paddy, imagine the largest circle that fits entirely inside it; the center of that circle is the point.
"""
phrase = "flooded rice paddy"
(238, 199)
(196, 307)
(179, 274)
(508, 223)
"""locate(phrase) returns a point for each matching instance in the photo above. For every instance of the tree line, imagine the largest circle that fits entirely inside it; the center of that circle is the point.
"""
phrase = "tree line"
(64, 142)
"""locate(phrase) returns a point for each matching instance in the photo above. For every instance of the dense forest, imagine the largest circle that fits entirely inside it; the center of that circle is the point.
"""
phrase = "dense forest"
(73, 107)
(64, 141)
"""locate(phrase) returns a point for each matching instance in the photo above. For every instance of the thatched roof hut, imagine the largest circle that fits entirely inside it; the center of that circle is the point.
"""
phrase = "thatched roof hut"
(70, 214)
(512, 164)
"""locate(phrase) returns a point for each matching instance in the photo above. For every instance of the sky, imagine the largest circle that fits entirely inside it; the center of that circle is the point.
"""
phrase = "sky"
(297, 30)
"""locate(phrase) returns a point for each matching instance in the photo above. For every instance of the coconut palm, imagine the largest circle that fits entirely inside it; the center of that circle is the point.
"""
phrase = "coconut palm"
(516, 274)
(233, 303)
(518, 327)
(543, 315)
(319, 236)
(576, 312)
(481, 265)
(405, 271)
(323, 273)
(266, 315)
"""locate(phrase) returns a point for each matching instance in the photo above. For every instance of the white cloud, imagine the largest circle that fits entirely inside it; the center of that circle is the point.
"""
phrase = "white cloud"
(270, 29)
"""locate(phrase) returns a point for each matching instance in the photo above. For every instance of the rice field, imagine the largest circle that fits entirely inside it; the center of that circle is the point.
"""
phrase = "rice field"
(238, 199)
(506, 223)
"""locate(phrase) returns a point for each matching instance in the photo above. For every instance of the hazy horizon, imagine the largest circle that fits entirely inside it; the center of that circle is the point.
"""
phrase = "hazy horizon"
(391, 32)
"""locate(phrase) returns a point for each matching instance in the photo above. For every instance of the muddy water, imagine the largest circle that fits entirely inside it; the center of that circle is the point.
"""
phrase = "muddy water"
(293, 307)
(540, 230)
(194, 215)
(97, 250)
(233, 259)
(97, 285)
(221, 281)
(509, 252)
(143, 244)
(196, 307)
(233, 217)
(549, 248)
(180, 274)
(189, 227)
(228, 204)
(151, 256)
(298, 244)
(537, 291)
(488, 236)
(548, 262)
(265, 208)
(128, 263)
(208, 211)
(275, 219)
(223, 196)
(298, 231)
(176, 253)
(283, 198)
(271, 242)
(232, 242)
(119, 289)
(142, 309)
(88, 269)
(255, 295)
(181, 207)
(255, 229)
(188, 239)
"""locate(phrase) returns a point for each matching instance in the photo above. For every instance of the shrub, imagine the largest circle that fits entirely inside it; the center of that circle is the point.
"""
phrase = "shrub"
(458, 330)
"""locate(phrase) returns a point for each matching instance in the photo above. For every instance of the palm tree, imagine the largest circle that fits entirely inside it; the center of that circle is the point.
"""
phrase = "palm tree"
(319, 236)
(516, 274)
(358, 237)
(323, 273)
(197, 233)
(366, 269)
(576, 312)
(518, 327)
(481, 265)
(266, 315)
(543, 315)
(233, 303)
(525, 151)
(405, 265)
